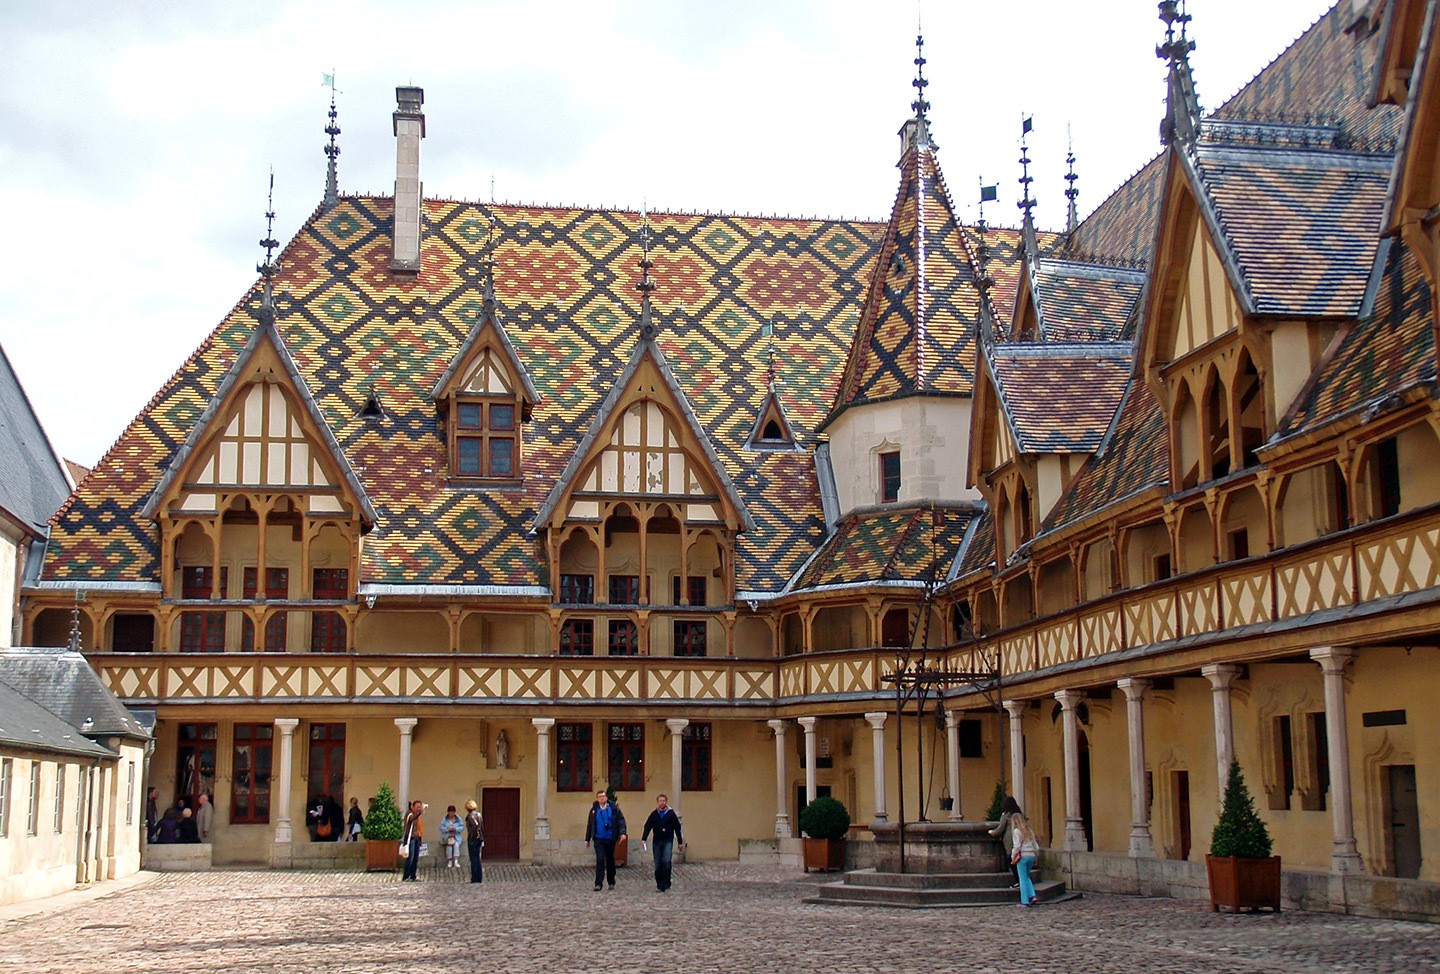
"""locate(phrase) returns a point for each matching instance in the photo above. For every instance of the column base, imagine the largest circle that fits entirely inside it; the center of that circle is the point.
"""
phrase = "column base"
(782, 826)
(1075, 836)
(1142, 845)
(542, 830)
(881, 818)
(283, 833)
(955, 815)
(1345, 860)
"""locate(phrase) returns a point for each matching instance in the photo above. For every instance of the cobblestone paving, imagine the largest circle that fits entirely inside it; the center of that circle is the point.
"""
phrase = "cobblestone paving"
(721, 917)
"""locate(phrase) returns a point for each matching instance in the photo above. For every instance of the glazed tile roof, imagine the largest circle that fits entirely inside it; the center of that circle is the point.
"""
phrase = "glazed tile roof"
(1122, 228)
(1391, 350)
(1060, 398)
(914, 542)
(1301, 225)
(979, 551)
(1086, 302)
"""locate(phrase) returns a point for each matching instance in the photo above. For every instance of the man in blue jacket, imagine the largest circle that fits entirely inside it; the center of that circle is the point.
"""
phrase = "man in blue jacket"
(666, 826)
(605, 827)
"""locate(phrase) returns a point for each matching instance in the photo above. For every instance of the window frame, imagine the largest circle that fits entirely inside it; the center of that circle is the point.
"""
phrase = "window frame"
(688, 642)
(577, 637)
(622, 638)
(60, 777)
(260, 741)
(7, 787)
(890, 480)
(277, 588)
(577, 589)
(697, 750)
(328, 629)
(322, 761)
(694, 585)
(202, 632)
(195, 739)
(32, 811)
(625, 756)
(485, 435)
(579, 752)
(617, 584)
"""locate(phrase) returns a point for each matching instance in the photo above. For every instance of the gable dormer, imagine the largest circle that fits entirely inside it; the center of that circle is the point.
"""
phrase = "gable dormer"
(772, 427)
(484, 398)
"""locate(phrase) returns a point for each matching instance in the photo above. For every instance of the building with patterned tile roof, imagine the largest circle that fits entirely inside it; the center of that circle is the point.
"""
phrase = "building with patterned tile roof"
(640, 494)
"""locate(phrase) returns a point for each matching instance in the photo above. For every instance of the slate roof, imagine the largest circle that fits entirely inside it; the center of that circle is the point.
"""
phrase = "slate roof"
(1060, 398)
(1082, 302)
(32, 480)
(65, 684)
(910, 542)
(24, 724)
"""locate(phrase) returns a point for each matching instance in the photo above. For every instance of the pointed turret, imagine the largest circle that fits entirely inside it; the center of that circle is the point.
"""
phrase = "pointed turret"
(1181, 124)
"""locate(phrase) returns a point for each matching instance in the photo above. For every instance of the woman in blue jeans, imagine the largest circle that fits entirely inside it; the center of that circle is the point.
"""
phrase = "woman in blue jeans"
(1024, 848)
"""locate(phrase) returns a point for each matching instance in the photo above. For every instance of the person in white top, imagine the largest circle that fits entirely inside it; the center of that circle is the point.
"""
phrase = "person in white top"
(1024, 848)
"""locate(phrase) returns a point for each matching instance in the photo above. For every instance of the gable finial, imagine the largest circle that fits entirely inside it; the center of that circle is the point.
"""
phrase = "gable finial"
(332, 151)
(767, 331)
(647, 327)
(270, 266)
(1072, 217)
(1027, 202)
(1181, 123)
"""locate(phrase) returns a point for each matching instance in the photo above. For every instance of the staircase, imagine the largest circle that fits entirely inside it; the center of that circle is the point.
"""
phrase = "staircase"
(925, 891)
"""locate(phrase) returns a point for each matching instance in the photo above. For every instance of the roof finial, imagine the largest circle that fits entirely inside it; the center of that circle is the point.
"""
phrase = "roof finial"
(270, 266)
(1181, 123)
(768, 332)
(647, 327)
(1072, 218)
(983, 280)
(332, 151)
(1027, 202)
(487, 260)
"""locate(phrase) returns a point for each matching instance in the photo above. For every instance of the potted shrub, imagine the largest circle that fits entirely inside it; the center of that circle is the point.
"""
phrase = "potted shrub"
(997, 803)
(382, 831)
(824, 823)
(1242, 873)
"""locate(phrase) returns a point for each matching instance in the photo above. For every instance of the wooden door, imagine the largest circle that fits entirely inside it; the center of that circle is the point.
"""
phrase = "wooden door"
(1404, 821)
(500, 807)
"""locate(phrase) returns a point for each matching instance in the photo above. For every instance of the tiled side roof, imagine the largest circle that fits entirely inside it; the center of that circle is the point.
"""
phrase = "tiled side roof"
(32, 482)
(1302, 225)
(1060, 399)
(1086, 302)
(1123, 227)
(980, 552)
(1389, 351)
(1134, 456)
(910, 543)
(1326, 75)
(570, 308)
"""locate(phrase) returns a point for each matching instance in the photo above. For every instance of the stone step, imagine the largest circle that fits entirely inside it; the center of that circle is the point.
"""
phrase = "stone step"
(843, 894)
(869, 877)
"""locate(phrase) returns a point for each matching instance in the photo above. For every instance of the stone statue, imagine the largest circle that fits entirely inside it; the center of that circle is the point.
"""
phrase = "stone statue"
(502, 750)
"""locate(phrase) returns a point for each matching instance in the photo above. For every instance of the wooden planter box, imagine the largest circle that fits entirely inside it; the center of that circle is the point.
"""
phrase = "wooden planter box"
(824, 855)
(381, 855)
(1244, 884)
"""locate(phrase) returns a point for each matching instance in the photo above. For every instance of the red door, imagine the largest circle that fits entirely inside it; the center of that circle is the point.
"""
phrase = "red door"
(501, 810)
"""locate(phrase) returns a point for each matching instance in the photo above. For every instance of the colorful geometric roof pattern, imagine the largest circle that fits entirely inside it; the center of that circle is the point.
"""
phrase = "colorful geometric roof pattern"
(1060, 398)
(979, 552)
(912, 542)
(1301, 225)
(1086, 302)
(1391, 350)
(571, 312)
(1122, 228)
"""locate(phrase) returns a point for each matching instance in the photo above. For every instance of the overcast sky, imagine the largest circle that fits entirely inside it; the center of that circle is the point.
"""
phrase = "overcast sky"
(138, 136)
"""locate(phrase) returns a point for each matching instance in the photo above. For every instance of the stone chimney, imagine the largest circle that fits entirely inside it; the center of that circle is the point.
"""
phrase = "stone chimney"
(409, 130)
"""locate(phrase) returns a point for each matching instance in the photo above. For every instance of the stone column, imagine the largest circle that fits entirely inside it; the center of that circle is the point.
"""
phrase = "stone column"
(1016, 710)
(1074, 823)
(406, 726)
(808, 724)
(286, 726)
(542, 727)
(952, 762)
(877, 759)
(1142, 845)
(782, 817)
(1221, 675)
(677, 727)
(1344, 857)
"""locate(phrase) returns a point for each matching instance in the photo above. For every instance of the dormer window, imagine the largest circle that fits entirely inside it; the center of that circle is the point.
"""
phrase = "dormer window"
(485, 440)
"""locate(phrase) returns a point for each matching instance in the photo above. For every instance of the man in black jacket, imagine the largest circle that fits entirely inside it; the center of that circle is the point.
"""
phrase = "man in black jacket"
(666, 826)
(605, 826)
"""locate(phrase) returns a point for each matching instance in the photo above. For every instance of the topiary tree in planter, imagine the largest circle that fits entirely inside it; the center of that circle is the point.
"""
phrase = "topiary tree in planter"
(382, 830)
(825, 823)
(997, 803)
(1242, 873)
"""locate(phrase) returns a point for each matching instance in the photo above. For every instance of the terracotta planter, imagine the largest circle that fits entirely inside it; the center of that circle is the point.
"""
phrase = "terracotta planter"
(1243, 884)
(381, 855)
(824, 855)
(622, 851)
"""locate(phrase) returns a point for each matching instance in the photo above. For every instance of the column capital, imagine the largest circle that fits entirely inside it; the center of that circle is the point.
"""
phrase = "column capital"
(1220, 675)
(287, 725)
(952, 718)
(542, 724)
(406, 724)
(877, 719)
(1069, 698)
(1332, 659)
(677, 725)
(1133, 687)
(1016, 708)
(808, 723)
(779, 726)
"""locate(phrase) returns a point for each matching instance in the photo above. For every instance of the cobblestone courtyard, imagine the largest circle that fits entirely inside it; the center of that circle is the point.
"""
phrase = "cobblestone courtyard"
(718, 918)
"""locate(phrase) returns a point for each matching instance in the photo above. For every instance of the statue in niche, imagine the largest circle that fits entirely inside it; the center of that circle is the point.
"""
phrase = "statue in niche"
(502, 751)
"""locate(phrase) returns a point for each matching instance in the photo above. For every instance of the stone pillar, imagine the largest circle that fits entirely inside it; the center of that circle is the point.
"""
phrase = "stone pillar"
(1221, 675)
(542, 727)
(877, 759)
(1344, 857)
(1142, 845)
(782, 817)
(406, 726)
(677, 727)
(808, 724)
(1016, 710)
(952, 762)
(1074, 823)
(283, 831)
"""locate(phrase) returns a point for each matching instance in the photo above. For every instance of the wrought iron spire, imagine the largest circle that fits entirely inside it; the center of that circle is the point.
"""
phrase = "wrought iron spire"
(270, 266)
(1181, 123)
(1072, 217)
(647, 327)
(983, 279)
(487, 260)
(920, 105)
(332, 151)
(1027, 202)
